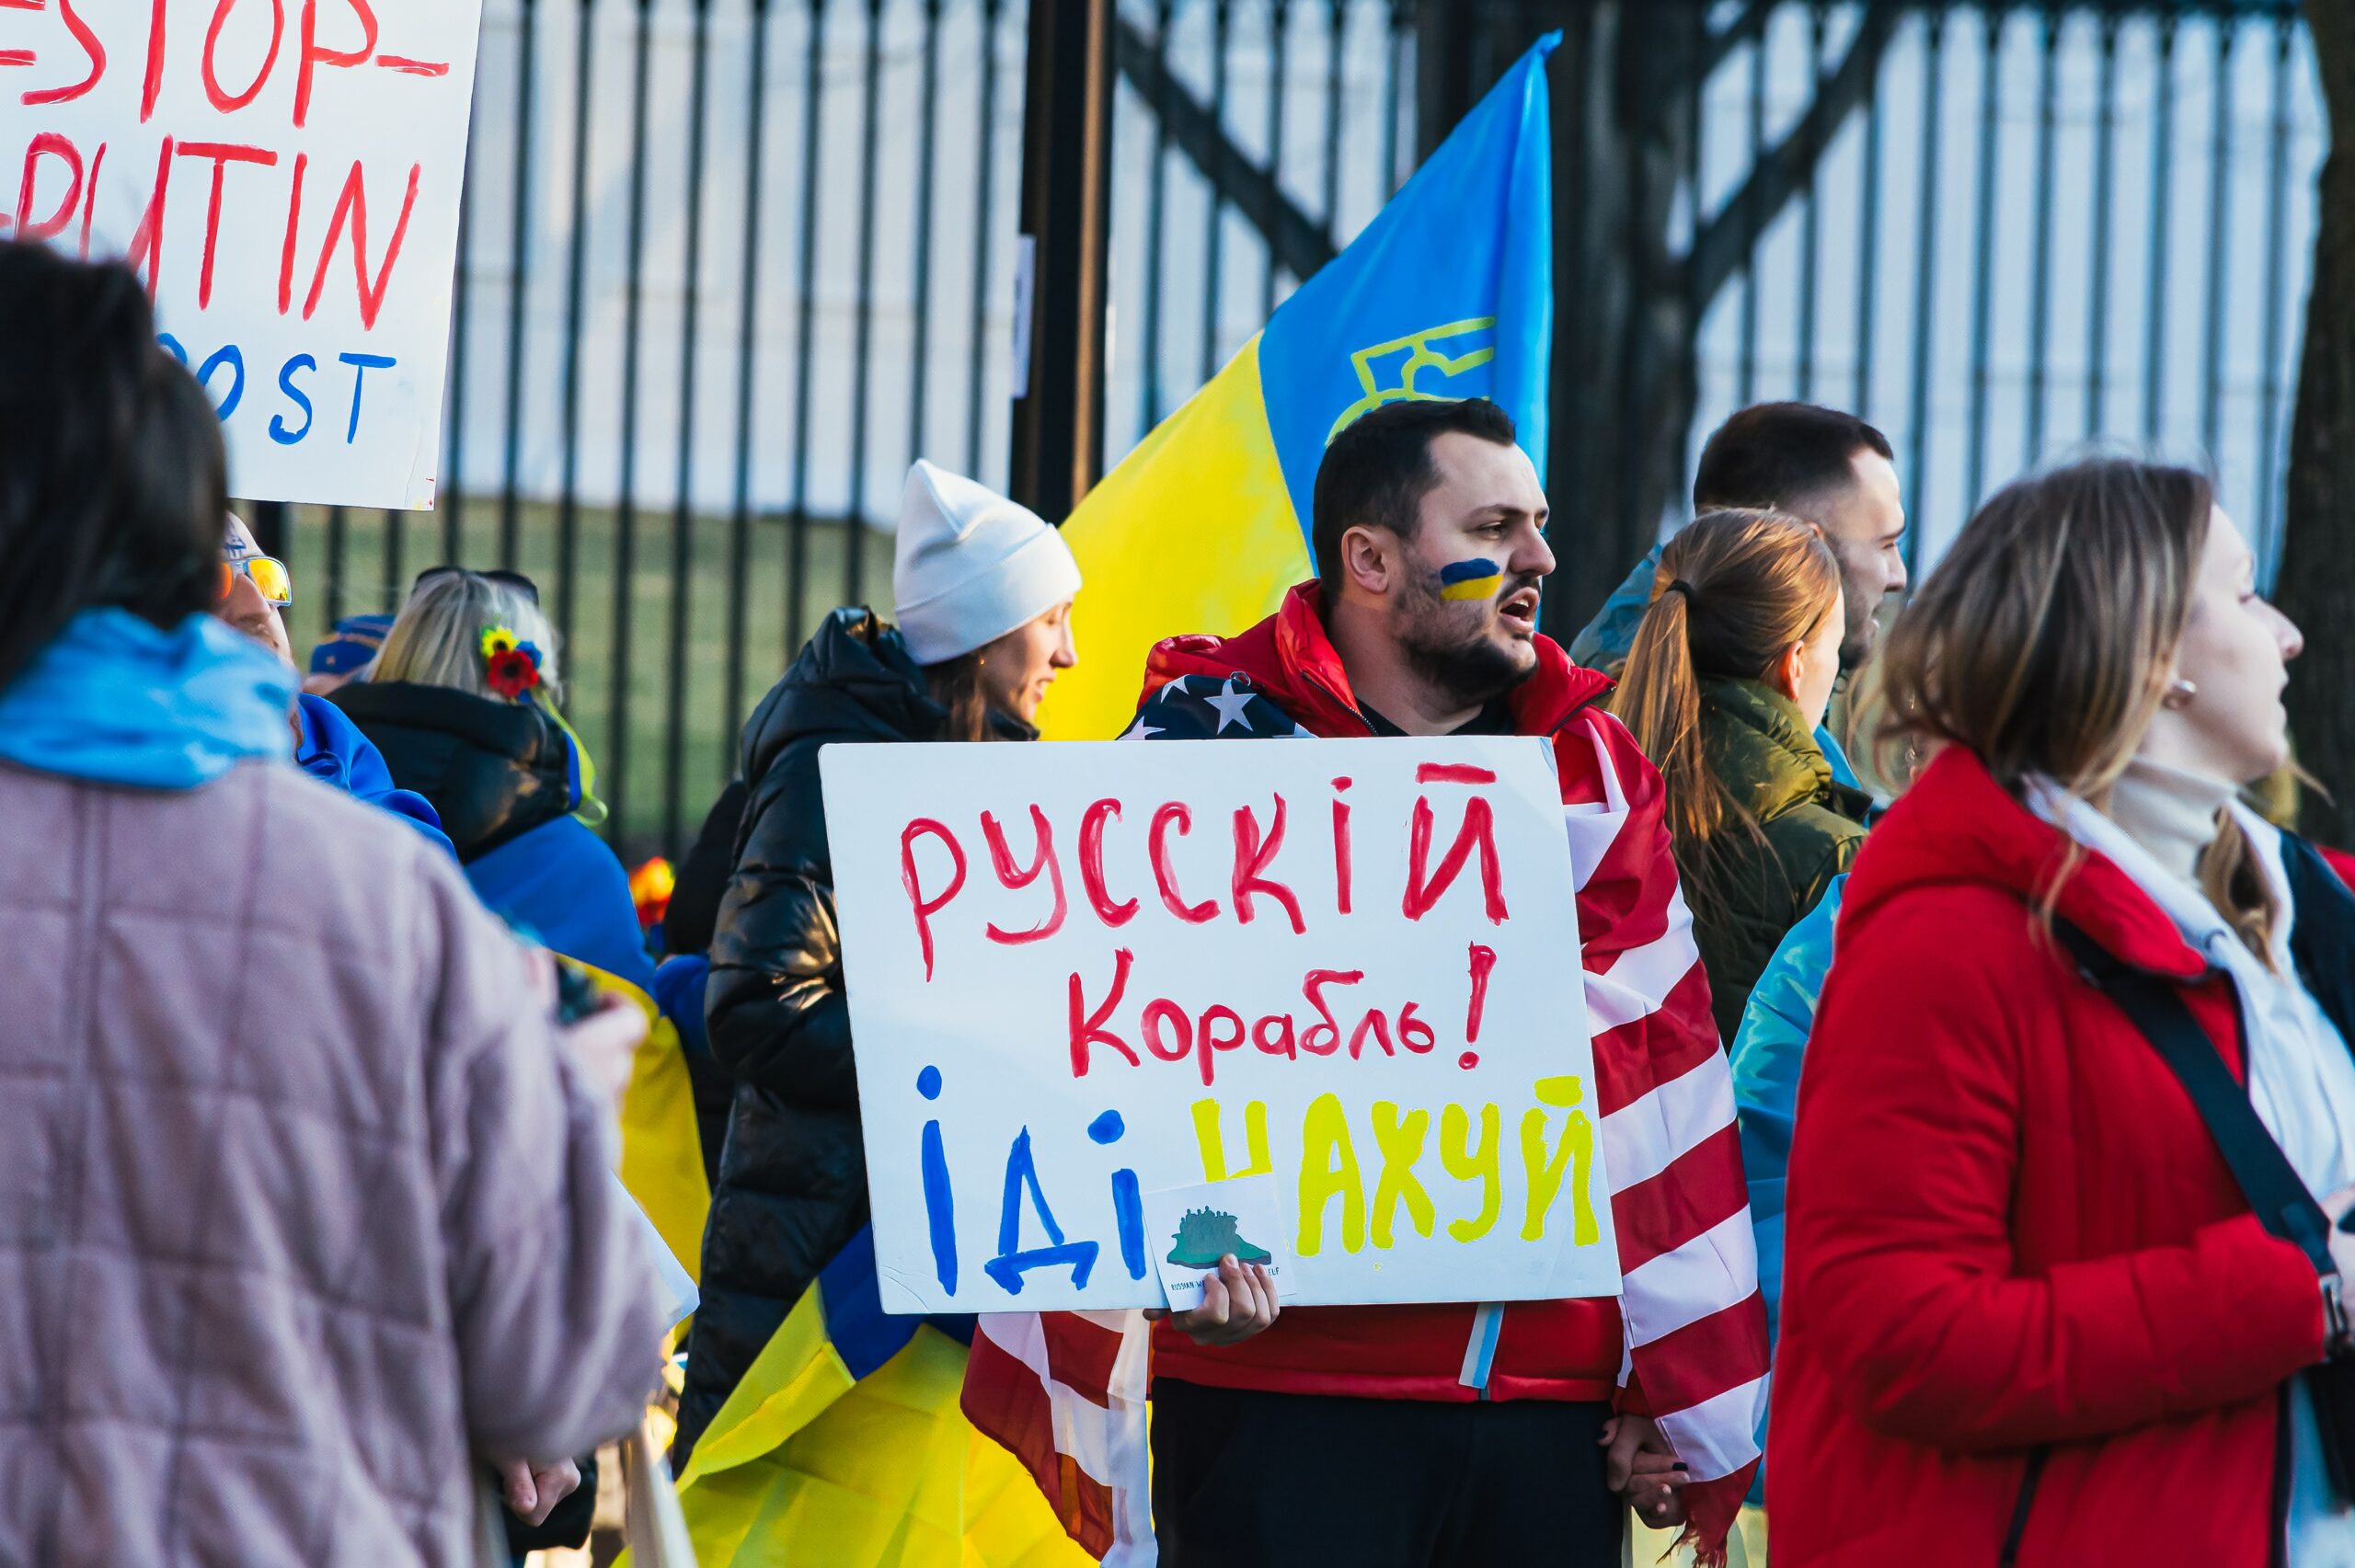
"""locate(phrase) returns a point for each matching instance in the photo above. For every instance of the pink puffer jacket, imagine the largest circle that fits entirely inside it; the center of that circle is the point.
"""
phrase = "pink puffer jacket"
(303, 1208)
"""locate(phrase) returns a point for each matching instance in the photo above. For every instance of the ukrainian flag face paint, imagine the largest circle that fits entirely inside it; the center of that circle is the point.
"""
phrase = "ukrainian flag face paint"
(1477, 579)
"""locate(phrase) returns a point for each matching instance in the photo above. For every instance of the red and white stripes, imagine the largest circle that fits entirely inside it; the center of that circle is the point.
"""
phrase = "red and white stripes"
(1064, 1393)
(1695, 1324)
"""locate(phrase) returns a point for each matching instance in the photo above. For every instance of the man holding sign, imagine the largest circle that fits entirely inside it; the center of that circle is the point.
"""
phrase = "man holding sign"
(1429, 536)
(1215, 1028)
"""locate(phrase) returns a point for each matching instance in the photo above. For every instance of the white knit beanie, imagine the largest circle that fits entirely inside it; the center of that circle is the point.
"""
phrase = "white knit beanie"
(971, 566)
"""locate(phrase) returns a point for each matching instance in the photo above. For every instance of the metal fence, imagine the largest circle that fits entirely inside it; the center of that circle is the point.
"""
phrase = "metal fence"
(2044, 226)
(729, 265)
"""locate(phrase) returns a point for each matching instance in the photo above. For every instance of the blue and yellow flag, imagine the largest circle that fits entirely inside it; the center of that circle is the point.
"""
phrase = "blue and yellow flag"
(843, 1448)
(1449, 293)
(662, 1147)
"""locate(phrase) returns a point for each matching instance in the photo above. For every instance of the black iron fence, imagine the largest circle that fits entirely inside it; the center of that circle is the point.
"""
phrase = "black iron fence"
(729, 265)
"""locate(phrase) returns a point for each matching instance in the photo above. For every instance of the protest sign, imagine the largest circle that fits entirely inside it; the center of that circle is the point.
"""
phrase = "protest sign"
(1081, 974)
(286, 175)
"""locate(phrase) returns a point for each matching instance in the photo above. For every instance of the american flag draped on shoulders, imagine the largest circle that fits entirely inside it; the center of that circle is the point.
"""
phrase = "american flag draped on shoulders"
(1066, 1391)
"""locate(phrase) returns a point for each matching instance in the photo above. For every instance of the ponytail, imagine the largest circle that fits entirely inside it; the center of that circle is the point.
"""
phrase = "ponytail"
(1733, 590)
(1659, 700)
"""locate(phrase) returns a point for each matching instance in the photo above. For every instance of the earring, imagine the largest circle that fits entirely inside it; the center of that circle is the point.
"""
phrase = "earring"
(2179, 696)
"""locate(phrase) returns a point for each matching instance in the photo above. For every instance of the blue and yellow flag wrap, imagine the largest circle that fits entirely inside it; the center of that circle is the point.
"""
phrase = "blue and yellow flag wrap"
(843, 1448)
(1449, 293)
(661, 1149)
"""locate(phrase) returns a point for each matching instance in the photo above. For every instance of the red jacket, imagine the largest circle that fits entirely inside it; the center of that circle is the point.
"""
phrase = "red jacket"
(1669, 1143)
(2009, 1232)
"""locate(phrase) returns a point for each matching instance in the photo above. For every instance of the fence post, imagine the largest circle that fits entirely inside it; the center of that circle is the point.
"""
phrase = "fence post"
(1060, 283)
(1444, 90)
(270, 528)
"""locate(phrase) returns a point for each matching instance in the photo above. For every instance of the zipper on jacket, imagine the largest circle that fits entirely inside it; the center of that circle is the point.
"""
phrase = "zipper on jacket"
(2029, 1477)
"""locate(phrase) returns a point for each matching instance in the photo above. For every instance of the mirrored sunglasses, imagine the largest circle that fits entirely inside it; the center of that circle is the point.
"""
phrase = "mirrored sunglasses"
(270, 576)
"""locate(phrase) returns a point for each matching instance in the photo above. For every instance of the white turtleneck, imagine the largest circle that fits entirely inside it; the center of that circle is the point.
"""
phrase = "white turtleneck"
(2300, 1075)
(2170, 812)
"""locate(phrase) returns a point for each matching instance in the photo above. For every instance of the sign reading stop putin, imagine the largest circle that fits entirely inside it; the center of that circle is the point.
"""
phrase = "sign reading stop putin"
(286, 175)
(1082, 977)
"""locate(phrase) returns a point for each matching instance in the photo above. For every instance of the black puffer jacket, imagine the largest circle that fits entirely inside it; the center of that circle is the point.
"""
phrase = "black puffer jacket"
(792, 1187)
(494, 770)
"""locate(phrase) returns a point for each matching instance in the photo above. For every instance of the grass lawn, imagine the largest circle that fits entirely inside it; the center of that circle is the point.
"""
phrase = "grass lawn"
(378, 553)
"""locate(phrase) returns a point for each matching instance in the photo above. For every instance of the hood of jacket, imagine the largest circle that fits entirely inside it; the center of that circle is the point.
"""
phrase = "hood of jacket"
(491, 769)
(1958, 825)
(854, 680)
(1291, 658)
(114, 700)
(854, 677)
(1757, 742)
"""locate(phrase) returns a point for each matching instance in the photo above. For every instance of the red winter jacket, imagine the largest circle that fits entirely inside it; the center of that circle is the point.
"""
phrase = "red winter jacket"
(2010, 1234)
(1669, 1148)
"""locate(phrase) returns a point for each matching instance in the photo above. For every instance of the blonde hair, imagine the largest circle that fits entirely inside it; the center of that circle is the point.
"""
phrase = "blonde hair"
(437, 639)
(1735, 590)
(2046, 640)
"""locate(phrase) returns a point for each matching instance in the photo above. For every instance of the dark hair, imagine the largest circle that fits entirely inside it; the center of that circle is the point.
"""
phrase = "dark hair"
(113, 483)
(1378, 468)
(1778, 456)
(956, 684)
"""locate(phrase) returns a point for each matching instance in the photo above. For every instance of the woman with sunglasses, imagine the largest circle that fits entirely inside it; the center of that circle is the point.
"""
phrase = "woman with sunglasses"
(279, 1104)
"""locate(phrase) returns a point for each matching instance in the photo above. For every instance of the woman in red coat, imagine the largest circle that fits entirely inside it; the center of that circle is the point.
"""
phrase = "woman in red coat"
(2029, 1317)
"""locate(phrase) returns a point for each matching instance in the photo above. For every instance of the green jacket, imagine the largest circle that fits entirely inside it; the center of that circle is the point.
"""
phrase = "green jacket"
(1757, 741)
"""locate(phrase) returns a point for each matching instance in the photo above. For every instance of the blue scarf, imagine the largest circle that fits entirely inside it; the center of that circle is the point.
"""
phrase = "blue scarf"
(113, 700)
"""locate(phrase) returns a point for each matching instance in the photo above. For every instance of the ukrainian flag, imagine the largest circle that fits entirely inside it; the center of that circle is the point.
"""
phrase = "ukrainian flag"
(843, 1448)
(661, 1149)
(1449, 293)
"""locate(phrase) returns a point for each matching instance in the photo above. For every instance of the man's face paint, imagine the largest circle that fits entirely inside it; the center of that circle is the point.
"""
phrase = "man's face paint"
(1478, 578)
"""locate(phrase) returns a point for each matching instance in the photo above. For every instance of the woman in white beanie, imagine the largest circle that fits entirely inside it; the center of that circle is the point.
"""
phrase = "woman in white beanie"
(984, 589)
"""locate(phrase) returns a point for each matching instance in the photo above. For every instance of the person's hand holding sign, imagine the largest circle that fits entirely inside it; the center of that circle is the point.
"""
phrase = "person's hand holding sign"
(1239, 1302)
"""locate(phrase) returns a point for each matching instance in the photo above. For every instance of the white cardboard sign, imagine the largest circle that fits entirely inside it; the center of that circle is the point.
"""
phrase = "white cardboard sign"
(286, 175)
(1080, 974)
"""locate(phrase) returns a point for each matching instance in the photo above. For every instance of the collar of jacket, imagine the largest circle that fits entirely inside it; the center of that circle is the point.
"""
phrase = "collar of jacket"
(1958, 825)
(492, 770)
(1762, 746)
(1291, 660)
(114, 700)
